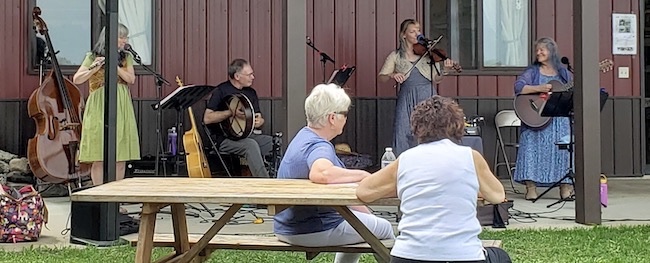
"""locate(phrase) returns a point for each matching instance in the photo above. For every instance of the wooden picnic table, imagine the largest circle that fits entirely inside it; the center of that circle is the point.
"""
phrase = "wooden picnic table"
(157, 192)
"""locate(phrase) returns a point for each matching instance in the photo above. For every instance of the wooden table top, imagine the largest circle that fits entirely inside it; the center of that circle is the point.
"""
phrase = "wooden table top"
(224, 190)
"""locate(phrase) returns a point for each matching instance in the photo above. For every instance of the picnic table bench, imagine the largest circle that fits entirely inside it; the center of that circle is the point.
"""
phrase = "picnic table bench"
(157, 192)
(268, 243)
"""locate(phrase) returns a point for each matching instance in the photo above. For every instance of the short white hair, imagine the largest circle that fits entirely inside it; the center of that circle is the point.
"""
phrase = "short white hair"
(323, 100)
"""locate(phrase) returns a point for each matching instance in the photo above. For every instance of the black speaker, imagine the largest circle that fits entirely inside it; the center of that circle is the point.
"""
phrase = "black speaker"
(146, 167)
(84, 221)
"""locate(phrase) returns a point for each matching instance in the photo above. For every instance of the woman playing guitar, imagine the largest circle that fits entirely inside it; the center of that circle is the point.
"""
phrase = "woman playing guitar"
(539, 161)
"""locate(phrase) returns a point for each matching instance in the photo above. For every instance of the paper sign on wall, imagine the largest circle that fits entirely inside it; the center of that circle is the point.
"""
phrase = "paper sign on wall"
(624, 34)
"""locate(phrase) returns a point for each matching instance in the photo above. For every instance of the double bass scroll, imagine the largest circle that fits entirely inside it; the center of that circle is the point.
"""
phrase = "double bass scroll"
(56, 107)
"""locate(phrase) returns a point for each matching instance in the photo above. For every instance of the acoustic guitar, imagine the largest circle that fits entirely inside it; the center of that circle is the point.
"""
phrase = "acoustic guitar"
(197, 163)
(528, 107)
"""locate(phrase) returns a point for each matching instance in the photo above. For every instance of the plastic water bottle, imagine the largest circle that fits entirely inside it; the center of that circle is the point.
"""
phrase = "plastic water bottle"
(603, 190)
(171, 140)
(388, 157)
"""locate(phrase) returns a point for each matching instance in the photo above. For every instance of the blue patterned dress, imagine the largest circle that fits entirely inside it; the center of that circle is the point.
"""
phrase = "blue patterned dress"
(415, 89)
(538, 158)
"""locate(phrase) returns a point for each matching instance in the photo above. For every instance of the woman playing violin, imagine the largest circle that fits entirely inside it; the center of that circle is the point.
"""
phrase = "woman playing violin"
(92, 138)
(415, 86)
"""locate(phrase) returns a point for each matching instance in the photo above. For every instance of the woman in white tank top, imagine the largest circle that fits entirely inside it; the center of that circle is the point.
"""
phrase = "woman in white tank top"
(437, 183)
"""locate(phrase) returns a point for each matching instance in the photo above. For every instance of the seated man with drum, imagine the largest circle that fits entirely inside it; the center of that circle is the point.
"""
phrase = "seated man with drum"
(235, 106)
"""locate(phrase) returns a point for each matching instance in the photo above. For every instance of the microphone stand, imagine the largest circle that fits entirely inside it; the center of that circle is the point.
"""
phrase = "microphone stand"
(159, 81)
(323, 57)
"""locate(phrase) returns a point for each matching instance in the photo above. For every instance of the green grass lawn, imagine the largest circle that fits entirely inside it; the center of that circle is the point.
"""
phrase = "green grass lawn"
(597, 244)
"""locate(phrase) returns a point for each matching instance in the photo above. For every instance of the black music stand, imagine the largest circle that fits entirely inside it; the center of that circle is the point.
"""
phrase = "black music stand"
(341, 76)
(180, 99)
(560, 104)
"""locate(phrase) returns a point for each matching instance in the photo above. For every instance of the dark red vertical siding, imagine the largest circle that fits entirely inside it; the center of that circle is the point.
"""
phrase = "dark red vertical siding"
(386, 41)
(323, 38)
(622, 87)
(544, 15)
(605, 46)
(366, 73)
(345, 37)
(218, 44)
(239, 26)
(11, 50)
(260, 55)
(467, 86)
(172, 47)
(505, 86)
(487, 86)
(195, 36)
(564, 27)
(277, 76)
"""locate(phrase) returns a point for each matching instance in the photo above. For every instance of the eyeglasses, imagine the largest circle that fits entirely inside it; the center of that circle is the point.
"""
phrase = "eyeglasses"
(247, 75)
(344, 113)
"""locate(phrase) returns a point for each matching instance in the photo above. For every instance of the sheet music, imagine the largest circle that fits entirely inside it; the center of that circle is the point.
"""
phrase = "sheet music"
(176, 91)
(183, 89)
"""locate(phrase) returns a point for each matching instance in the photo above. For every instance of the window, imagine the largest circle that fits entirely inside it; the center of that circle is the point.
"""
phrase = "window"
(74, 26)
(488, 34)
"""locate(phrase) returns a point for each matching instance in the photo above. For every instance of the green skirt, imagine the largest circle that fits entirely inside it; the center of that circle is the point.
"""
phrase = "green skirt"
(92, 132)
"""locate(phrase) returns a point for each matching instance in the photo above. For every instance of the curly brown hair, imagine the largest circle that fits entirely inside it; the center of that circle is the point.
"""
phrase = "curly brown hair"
(437, 118)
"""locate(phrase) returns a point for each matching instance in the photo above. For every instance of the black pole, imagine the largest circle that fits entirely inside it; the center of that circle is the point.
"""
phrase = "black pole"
(108, 223)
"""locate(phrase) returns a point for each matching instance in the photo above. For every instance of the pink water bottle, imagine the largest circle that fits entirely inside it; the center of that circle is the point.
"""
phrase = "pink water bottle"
(603, 190)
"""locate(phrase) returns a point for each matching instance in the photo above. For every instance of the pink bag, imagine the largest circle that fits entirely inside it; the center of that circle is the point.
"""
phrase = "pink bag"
(22, 214)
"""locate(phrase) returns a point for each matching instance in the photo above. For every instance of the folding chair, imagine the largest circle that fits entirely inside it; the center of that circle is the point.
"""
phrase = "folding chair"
(506, 119)
(215, 148)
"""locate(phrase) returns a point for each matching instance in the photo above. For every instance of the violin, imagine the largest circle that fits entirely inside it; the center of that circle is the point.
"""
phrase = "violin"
(436, 55)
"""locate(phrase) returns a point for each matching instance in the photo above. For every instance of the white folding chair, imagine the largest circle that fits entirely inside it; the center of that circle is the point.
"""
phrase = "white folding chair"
(506, 119)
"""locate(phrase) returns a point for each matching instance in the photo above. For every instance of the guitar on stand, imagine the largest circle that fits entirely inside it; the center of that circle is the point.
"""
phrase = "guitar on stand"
(195, 160)
(528, 107)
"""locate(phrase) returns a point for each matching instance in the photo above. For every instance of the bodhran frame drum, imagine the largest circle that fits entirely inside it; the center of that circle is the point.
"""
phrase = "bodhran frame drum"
(242, 122)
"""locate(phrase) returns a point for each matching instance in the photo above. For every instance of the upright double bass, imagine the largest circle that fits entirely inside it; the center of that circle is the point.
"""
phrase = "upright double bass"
(56, 107)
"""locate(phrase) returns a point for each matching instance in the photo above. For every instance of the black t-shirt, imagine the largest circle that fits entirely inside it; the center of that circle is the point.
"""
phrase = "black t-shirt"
(217, 103)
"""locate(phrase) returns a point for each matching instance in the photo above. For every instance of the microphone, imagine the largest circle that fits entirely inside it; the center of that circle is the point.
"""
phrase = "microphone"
(428, 42)
(565, 61)
(424, 41)
(136, 57)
